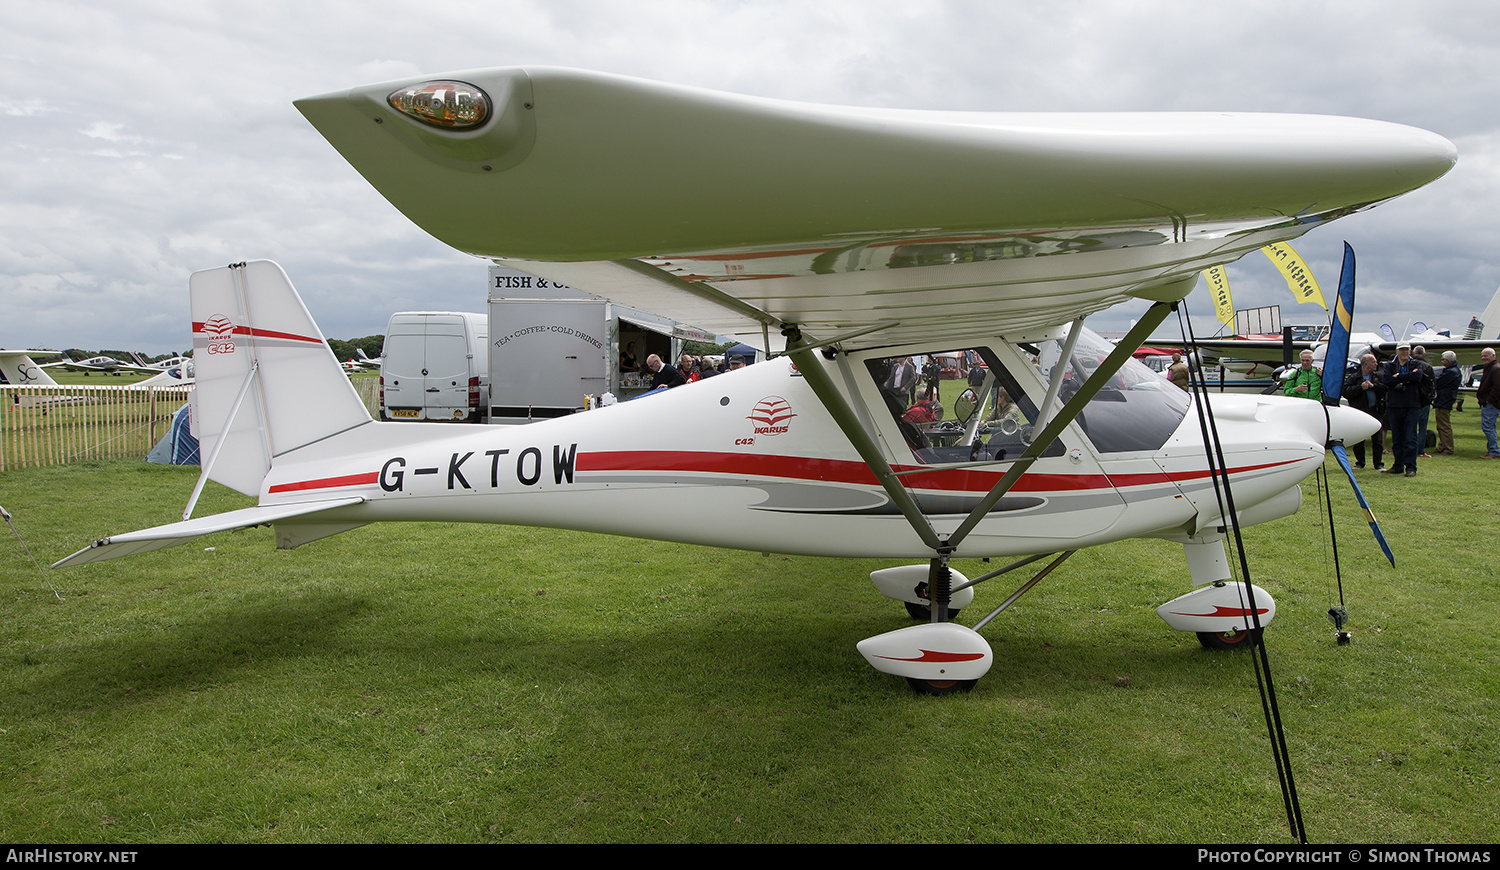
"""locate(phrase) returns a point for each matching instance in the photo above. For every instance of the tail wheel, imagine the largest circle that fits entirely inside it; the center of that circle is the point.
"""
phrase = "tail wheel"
(1238, 639)
(939, 687)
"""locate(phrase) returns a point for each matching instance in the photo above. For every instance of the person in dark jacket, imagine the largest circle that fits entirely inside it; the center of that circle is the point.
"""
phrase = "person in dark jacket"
(1489, 402)
(1364, 387)
(1429, 392)
(1403, 399)
(665, 375)
(1446, 385)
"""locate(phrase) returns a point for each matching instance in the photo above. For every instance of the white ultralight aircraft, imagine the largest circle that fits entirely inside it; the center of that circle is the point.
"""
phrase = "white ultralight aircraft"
(858, 236)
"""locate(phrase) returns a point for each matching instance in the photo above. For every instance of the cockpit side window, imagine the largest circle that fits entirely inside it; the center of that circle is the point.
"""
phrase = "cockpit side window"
(957, 406)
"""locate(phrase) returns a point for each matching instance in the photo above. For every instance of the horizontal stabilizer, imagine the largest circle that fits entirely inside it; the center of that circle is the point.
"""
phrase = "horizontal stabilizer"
(160, 537)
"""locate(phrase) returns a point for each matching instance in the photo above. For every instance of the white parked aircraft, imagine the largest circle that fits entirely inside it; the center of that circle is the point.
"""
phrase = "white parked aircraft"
(858, 237)
(20, 370)
(106, 364)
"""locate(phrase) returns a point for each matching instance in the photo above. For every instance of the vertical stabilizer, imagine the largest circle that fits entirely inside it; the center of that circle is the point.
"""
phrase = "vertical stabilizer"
(20, 371)
(267, 382)
(1491, 318)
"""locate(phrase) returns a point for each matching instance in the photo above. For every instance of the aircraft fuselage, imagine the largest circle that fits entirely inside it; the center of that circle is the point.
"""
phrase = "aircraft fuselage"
(751, 460)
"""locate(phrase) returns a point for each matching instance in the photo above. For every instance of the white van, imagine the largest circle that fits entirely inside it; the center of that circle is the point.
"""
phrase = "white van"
(435, 367)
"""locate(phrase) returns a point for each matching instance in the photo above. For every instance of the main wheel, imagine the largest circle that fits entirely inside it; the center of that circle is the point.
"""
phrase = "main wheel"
(923, 613)
(1240, 639)
(939, 687)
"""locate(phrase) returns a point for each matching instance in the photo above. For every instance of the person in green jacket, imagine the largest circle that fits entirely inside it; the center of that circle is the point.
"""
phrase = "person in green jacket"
(1305, 382)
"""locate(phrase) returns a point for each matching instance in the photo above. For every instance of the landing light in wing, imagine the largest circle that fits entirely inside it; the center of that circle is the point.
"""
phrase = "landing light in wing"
(447, 105)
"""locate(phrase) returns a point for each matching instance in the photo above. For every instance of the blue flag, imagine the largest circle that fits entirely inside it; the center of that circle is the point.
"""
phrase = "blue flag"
(1336, 357)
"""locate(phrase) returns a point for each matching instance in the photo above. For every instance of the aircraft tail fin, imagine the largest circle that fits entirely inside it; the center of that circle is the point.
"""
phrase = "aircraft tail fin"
(1490, 319)
(20, 371)
(267, 383)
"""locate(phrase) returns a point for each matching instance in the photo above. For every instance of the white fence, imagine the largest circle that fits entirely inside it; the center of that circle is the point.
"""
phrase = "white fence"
(55, 425)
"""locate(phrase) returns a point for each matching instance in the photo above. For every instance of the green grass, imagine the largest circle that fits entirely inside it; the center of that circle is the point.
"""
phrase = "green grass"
(441, 682)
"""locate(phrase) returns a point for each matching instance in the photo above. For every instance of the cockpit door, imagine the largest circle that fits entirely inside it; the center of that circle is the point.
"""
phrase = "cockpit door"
(954, 420)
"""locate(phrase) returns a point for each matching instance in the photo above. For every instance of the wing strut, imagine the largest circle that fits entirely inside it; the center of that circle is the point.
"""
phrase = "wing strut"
(1055, 424)
(802, 354)
(1059, 370)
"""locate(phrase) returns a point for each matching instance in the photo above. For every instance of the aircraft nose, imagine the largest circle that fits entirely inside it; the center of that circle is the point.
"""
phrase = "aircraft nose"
(1350, 425)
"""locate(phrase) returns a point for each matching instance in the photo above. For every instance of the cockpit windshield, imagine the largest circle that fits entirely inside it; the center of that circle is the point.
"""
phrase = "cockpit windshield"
(964, 405)
(1137, 409)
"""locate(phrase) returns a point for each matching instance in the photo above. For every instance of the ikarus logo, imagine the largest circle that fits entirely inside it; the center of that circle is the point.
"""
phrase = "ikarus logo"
(771, 415)
(219, 330)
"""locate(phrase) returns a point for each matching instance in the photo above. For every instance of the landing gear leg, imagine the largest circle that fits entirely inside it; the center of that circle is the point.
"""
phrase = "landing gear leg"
(940, 587)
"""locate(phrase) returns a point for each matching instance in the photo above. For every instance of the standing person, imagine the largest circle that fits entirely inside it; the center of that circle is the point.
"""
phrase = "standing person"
(1489, 402)
(1177, 373)
(1306, 382)
(1364, 387)
(1447, 384)
(1403, 399)
(903, 380)
(1429, 393)
(665, 375)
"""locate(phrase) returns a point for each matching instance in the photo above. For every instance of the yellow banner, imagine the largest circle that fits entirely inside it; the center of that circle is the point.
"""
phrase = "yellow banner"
(1218, 287)
(1296, 272)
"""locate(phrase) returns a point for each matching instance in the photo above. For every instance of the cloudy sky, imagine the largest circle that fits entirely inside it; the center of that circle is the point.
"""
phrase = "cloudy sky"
(145, 139)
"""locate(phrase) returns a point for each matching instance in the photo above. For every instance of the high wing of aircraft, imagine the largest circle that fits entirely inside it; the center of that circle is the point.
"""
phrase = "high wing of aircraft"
(1265, 355)
(1247, 353)
(856, 238)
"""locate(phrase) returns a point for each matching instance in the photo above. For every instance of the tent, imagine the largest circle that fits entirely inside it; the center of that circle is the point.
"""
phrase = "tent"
(178, 446)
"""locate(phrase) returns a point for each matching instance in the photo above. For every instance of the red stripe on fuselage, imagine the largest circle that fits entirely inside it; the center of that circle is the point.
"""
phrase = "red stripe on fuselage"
(813, 469)
(846, 471)
(328, 482)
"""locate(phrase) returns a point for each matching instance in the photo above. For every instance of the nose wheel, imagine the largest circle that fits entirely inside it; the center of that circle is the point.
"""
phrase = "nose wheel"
(939, 687)
(1221, 640)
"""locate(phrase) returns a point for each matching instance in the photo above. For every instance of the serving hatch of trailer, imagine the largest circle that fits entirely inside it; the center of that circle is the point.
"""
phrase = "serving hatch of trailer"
(554, 350)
